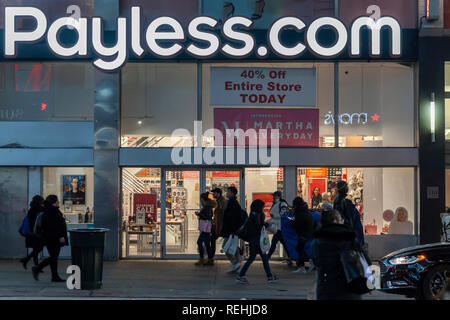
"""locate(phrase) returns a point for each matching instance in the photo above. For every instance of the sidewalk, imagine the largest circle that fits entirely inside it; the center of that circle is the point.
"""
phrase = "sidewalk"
(162, 280)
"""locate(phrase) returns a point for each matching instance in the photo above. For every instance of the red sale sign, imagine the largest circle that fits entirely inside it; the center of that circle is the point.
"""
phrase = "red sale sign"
(296, 127)
(145, 208)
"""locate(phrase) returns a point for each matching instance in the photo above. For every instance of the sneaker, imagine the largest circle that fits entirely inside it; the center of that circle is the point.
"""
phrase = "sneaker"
(241, 280)
(300, 270)
(289, 263)
(272, 279)
(35, 272)
(235, 267)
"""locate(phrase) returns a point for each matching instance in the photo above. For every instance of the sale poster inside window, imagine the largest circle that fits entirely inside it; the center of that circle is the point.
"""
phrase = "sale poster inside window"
(145, 208)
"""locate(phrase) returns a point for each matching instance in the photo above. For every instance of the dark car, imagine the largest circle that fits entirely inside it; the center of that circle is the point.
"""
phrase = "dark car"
(421, 272)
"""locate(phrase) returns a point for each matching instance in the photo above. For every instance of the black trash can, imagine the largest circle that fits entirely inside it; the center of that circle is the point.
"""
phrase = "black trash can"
(87, 245)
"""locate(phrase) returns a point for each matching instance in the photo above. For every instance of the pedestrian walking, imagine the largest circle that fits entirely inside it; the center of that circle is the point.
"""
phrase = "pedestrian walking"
(304, 227)
(330, 240)
(54, 232)
(217, 218)
(32, 240)
(205, 217)
(254, 227)
(279, 207)
(233, 219)
(348, 211)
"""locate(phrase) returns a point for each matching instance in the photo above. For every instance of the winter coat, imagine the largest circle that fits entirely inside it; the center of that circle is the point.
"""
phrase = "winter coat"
(54, 226)
(328, 243)
(353, 214)
(255, 224)
(218, 214)
(232, 218)
(31, 241)
(278, 208)
(304, 222)
(206, 213)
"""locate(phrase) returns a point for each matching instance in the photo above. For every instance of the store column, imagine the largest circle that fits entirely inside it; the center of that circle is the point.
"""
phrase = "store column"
(431, 153)
(106, 141)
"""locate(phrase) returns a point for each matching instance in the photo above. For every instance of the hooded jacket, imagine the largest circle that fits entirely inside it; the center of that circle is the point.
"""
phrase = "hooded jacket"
(329, 242)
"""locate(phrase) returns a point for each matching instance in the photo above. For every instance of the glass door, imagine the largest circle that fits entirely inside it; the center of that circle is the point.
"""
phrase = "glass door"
(182, 194)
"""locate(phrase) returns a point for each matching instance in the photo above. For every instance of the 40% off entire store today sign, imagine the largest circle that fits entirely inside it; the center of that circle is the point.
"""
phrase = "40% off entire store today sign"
(263, 87)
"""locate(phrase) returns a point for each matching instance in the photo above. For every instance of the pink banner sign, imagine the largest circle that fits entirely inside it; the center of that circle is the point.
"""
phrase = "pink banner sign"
(296, 127)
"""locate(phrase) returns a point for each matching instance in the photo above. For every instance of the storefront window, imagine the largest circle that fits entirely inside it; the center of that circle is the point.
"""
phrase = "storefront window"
(74, 188)
(379, 194)
(294, 98)
(156, 100)
(46, 91)
(372, 113)
(141, 212)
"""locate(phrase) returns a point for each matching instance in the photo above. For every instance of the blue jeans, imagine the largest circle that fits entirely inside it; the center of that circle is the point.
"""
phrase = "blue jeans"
(254, 250)
(204, 239)
(277, 237)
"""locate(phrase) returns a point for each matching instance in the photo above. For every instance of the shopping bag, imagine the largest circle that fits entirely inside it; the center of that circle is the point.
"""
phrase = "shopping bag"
(204, 225)
(272, 228)
(264, 242)
(356, 269)
(231, 245)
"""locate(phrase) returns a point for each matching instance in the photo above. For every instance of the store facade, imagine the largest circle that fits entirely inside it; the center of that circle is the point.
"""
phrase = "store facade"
(129, 149)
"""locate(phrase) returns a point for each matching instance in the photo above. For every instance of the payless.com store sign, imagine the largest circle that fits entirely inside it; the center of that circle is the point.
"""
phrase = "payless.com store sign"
(165, 37)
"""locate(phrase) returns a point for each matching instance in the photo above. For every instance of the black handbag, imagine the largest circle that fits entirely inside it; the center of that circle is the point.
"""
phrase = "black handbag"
(355, 265)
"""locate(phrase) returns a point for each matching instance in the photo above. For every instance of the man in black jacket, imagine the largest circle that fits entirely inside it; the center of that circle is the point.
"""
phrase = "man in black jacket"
(232, 221)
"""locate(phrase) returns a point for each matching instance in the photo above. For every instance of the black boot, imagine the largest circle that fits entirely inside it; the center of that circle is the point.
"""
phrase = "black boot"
(35, 272)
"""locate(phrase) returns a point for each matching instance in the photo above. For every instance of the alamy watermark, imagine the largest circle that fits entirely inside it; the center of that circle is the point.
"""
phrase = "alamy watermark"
(235, 147)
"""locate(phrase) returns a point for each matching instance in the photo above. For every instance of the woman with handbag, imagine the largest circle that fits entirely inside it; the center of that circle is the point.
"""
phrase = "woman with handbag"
(332, 240)
(253, 231)
(204, 225)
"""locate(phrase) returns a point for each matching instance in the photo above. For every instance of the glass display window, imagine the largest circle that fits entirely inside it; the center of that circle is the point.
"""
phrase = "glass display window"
(74, 188)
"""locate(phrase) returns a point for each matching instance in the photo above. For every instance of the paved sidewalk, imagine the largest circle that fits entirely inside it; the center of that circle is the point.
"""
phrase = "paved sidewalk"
(162, 280)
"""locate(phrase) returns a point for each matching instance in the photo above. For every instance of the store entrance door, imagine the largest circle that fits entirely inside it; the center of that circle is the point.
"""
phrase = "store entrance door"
(182, 201)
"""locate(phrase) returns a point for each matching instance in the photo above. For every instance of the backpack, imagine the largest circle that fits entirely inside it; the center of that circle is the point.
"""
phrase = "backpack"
(24, 229)
(38, 230)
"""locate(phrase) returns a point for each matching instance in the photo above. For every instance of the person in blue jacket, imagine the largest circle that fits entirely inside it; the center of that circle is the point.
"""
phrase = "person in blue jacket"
(348, 211)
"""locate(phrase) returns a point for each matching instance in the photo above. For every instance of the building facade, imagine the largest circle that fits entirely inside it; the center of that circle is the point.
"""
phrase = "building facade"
(129, 149)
